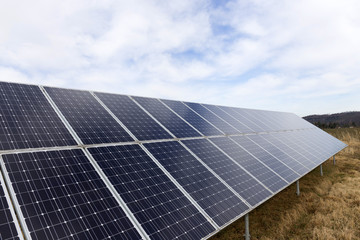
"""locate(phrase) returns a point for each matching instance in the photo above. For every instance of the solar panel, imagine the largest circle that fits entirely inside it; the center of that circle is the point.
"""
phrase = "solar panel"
(212, 118)
(191, 117)
(269, 160)
(84, 165)
(133, 117)
(27, 119)
(91, 122)
(9, 229)
(61, 196)
(167, 118)
(221, 204)
(257, 168)
(239, 179)
(160, 207)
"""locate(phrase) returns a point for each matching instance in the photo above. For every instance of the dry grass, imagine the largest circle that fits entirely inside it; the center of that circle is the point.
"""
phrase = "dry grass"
(328, 207)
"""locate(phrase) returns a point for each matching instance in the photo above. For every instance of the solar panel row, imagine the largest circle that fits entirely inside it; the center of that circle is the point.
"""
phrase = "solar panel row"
(168, 188)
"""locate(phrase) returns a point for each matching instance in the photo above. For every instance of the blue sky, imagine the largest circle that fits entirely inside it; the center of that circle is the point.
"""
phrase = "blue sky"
(294, 56)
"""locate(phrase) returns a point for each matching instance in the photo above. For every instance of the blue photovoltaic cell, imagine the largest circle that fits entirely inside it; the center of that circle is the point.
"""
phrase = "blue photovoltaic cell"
(229, 119)
(295, 153)
(239, 114)
(209, 192)
(244, 184)
(192, 118)
(92, 123)
(133, 117)
(161, 208)
(61, 196)
(265, 157)
(27, 119)
(250, 163)
(7, 226)
(280, 155)
(167, 118)
(212, 118)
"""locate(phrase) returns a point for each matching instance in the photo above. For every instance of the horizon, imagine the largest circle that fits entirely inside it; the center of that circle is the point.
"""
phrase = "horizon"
(247, 54)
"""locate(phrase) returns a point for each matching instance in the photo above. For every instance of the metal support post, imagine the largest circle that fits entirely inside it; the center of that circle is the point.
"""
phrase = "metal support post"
(321, 170)
(247, 231)
(334, 160)
(297, 188)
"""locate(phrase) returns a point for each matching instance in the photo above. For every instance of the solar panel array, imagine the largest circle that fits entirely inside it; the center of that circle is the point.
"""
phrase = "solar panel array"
(91, 165)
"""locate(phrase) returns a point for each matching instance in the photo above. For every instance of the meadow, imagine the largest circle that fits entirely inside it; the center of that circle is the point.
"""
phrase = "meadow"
(328, 207)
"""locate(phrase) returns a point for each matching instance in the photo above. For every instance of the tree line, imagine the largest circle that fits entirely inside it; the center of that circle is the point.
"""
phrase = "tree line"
(334, 125)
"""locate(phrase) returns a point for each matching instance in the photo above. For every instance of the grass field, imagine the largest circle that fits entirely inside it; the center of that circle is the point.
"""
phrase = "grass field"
(327, 208)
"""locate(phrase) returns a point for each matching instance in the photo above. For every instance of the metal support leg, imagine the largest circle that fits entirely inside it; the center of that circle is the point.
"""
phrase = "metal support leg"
(334, 159)
(247, 231)
(321, 170)
(297, 188)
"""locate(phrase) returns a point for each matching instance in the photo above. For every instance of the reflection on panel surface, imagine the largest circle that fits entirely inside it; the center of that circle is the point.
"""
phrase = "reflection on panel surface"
(133, 117)
(167, 118)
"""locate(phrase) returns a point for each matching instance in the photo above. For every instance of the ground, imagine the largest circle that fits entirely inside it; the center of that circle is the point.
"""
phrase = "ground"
(327, 208)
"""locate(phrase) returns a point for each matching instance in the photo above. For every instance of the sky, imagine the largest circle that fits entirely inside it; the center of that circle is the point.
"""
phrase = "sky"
(294, 56)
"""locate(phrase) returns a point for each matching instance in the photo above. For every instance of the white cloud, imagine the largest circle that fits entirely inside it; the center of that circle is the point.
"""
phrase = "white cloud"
(283, 55)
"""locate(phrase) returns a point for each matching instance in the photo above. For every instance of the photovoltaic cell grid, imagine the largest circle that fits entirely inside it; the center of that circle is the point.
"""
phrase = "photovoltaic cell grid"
(291, 139)
(293, 152)
(265, 157)
(62, 197)
(27, 119)
(245, 185)
(167, 118)
(7, 226)
(240, 115)
(212, 118)
(192, 118)
(221, 204)
(161, 208)
(241, 127)
(290, 162)
(254, 166)
(133, 117)
(91, 122)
